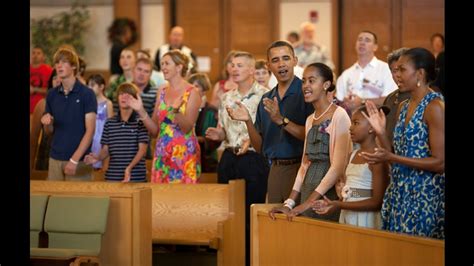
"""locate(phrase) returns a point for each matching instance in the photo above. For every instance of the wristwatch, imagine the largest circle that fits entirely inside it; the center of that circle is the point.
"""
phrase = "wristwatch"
(284, 121)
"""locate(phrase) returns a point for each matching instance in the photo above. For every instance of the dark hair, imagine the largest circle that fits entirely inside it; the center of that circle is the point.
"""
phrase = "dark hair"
(437, 35)
(51, 77)
(363, 108)
(129, 88)
(373, 34)
(294, 34)
(262, 64)
(82, 66)
(395, 54)
(422, 59)
(145, 52)
(202, 79)
(280, 43)
(117, 29)
(97, 79)
(326, 73)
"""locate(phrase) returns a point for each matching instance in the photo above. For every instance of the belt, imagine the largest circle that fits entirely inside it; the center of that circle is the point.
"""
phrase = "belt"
(285, 161)
(361, 193)
(234, 150)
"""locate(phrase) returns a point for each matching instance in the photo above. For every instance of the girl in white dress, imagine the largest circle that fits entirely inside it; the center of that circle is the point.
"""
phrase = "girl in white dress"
(365, 184)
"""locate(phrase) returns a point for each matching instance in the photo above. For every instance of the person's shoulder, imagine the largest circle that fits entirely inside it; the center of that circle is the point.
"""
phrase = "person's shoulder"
(341, 113)
(436, 105)
(268, 94)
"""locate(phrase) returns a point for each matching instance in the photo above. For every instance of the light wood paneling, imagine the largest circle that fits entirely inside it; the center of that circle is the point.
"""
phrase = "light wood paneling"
(372, 15)
(201, 21)
(326, 243)
(406, 23)
(420, 19)
(251, 25)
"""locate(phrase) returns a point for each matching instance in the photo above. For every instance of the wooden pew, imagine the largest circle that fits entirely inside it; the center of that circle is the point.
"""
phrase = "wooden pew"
(306, 241)
(38, 174)
(203, 214)
(127, 240)
(208, 178)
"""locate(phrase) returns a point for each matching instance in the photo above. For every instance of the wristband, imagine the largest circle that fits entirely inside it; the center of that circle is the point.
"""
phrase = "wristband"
(74, 162)
(290, 203)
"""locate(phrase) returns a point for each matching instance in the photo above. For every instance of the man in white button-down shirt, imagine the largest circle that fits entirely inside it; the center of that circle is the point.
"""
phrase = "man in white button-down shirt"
(369, 77)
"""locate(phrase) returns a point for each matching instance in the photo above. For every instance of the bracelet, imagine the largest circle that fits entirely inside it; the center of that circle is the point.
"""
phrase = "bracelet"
(74, 162)
(290, 203)
(176, 110)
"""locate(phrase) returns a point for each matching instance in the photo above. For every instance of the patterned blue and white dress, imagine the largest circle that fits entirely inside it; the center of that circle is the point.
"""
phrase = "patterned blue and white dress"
(414, 200)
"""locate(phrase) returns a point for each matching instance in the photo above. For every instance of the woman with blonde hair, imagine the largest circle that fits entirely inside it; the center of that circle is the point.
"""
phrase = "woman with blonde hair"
(226, 84)
(177, 152)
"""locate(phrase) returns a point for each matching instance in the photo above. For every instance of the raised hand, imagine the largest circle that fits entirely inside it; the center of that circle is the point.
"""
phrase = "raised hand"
(135, 104)
(239, 113)
(272, 108)
(215, 134)
(375, 117)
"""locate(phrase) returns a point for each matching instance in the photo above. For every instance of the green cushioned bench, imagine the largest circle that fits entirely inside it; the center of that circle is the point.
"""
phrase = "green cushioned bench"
(75, 226)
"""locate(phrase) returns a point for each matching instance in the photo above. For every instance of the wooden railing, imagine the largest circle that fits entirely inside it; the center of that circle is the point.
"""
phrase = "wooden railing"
(306, 241)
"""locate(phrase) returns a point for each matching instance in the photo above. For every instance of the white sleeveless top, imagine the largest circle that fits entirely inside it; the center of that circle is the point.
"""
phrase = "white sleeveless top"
(359, 176)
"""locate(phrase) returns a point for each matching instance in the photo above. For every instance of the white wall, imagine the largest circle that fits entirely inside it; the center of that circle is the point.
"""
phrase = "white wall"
(97, 50)
(153, 27)
(97, 46)
(293, 13)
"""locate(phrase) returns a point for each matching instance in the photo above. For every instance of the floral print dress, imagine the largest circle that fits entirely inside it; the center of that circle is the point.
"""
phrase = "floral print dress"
(177, 154)
(414, 200)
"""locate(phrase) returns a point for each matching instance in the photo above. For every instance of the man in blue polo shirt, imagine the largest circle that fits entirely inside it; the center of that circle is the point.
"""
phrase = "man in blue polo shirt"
(70, 116)
(278, 131)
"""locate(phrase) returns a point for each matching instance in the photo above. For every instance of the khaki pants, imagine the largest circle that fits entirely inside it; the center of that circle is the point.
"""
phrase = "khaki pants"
(56, 171)
(280, 182)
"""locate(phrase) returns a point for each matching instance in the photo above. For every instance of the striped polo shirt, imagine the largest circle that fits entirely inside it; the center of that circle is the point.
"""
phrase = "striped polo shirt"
(123, 138)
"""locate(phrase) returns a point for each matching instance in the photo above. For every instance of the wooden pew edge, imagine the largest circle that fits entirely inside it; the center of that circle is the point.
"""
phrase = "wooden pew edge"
(254, 241)
(360, 230)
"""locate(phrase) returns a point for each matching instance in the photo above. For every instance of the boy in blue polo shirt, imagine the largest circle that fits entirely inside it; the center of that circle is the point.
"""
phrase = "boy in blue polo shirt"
(70, 116)
(125, 140)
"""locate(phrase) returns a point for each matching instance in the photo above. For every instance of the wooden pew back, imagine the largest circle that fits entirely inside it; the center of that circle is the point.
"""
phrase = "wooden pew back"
(127, 240)
(306, 241)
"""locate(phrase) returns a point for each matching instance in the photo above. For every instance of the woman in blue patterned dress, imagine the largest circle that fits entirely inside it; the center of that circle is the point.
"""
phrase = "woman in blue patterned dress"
(414, 200)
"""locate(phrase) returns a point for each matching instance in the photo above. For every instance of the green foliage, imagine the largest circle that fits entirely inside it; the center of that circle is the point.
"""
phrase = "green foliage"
(63, 28)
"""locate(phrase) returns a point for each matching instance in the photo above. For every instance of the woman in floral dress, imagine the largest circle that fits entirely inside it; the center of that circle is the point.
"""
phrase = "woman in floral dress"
(177, 153)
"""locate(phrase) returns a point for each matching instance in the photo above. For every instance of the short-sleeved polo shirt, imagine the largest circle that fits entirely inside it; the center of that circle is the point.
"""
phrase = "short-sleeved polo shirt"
(277, 143)
(69, 113)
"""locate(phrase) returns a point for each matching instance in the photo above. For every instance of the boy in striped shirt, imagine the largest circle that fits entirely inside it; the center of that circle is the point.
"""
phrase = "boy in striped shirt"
(125, 140)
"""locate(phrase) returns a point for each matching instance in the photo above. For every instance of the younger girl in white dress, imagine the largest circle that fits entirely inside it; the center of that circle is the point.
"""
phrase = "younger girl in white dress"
(365, 183)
